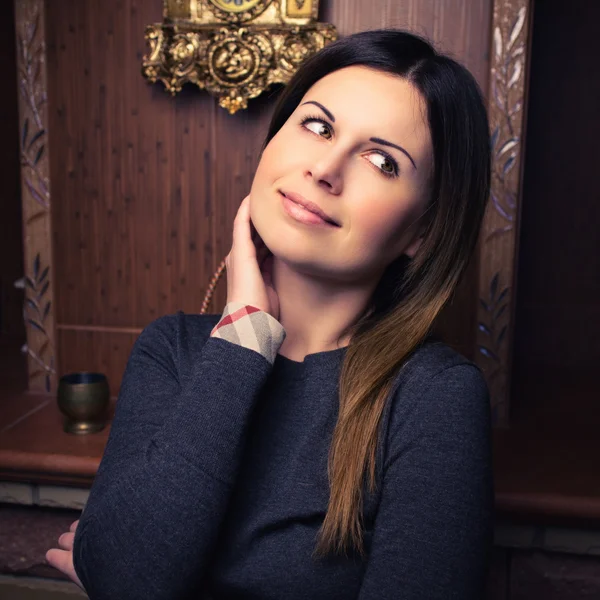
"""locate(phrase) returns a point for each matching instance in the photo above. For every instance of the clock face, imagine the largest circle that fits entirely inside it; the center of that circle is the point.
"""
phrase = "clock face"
(236, 6)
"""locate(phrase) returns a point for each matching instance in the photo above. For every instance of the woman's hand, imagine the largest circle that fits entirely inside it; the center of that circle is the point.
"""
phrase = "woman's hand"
(63, 559)
(250, 266)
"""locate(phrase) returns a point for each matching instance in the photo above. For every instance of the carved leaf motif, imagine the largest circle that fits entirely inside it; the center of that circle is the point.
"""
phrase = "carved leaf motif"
(498, 43)
(515, 74)
(500, 208)
(517, 27)
(34, 217)
(510, 199)
(494, 138)
(36, 196)
(35, 138)
(33, 304)
(487, 352)
(37, 326)
(498, 232)
(501, 311)
(494, 285)
(515, 109)
(497, 97)
(508, 145)
(39, 155)
(25, 132)
(502, 295)
(36, 71)
(483, 328)
(43, 275)
(508, 165)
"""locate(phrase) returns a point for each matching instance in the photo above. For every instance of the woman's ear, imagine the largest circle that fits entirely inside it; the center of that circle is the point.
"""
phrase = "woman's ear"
(422, 226)
(412, 248)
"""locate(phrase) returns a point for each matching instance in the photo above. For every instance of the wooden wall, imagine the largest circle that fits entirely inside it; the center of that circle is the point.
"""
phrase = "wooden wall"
(145, 186)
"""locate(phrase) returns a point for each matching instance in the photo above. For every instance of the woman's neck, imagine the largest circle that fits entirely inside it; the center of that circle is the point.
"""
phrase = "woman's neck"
(315, 313)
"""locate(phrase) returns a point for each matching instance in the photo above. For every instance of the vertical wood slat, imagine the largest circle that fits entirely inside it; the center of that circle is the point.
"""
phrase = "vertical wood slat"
(36, 200)
(510, 48)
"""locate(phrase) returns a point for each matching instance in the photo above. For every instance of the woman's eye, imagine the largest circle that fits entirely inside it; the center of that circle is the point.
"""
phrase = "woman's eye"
(319, 128)
(387, 165)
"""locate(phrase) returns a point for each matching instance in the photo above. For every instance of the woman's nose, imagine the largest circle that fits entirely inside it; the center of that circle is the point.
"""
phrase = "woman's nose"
(327, 173)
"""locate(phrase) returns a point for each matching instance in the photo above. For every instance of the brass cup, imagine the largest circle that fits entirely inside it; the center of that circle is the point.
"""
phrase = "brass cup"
(84, 398)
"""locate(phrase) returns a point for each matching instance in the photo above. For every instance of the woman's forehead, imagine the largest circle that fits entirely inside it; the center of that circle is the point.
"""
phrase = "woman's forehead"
(382, 103)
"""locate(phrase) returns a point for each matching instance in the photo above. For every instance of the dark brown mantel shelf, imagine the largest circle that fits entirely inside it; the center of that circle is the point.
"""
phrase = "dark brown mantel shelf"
(549, 475)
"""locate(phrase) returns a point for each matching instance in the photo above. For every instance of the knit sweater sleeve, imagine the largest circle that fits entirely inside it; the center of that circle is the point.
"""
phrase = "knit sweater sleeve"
(433, 530)
(166, 475)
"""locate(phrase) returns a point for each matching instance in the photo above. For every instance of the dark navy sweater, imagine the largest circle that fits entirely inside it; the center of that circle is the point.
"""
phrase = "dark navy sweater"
(213, 483)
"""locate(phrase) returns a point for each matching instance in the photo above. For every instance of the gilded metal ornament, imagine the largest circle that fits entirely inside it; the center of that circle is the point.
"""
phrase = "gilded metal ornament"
(234, 49)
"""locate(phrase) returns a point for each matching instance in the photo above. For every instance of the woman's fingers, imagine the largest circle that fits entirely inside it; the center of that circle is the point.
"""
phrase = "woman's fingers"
(242, 235)
(65, 541)
(62, 558)
(63, 561)
(244, 230)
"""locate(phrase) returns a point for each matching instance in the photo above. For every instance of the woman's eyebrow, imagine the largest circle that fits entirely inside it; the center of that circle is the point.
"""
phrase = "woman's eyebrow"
(386, 143)
(327, 112)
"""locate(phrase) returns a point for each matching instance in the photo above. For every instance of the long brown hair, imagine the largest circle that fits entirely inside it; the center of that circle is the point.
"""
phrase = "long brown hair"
(410, 293)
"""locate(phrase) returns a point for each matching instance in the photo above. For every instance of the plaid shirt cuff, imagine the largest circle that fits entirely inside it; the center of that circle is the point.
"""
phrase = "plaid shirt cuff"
(252, 328)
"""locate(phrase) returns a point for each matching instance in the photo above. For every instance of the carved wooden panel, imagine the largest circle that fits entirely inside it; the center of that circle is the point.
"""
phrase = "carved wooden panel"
(495, 316)
(35, 189)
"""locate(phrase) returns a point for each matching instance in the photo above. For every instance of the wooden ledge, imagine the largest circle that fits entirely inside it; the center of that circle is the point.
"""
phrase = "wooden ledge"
(549, 474)
(34, 448)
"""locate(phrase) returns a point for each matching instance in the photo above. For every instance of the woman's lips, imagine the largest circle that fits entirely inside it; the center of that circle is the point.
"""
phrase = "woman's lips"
(301, 214)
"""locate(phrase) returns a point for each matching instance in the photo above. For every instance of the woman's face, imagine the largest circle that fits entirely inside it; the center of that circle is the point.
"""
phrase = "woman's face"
(358, 146)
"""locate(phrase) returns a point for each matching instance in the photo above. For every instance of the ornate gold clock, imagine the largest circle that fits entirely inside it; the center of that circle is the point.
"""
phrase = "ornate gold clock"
(235, 49)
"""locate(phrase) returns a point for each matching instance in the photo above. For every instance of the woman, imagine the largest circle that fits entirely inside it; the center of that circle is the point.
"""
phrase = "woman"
(314, 441)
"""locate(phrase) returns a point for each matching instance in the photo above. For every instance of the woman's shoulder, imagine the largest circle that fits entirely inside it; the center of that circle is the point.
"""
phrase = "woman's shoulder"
(439, 387)
(436, 360)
